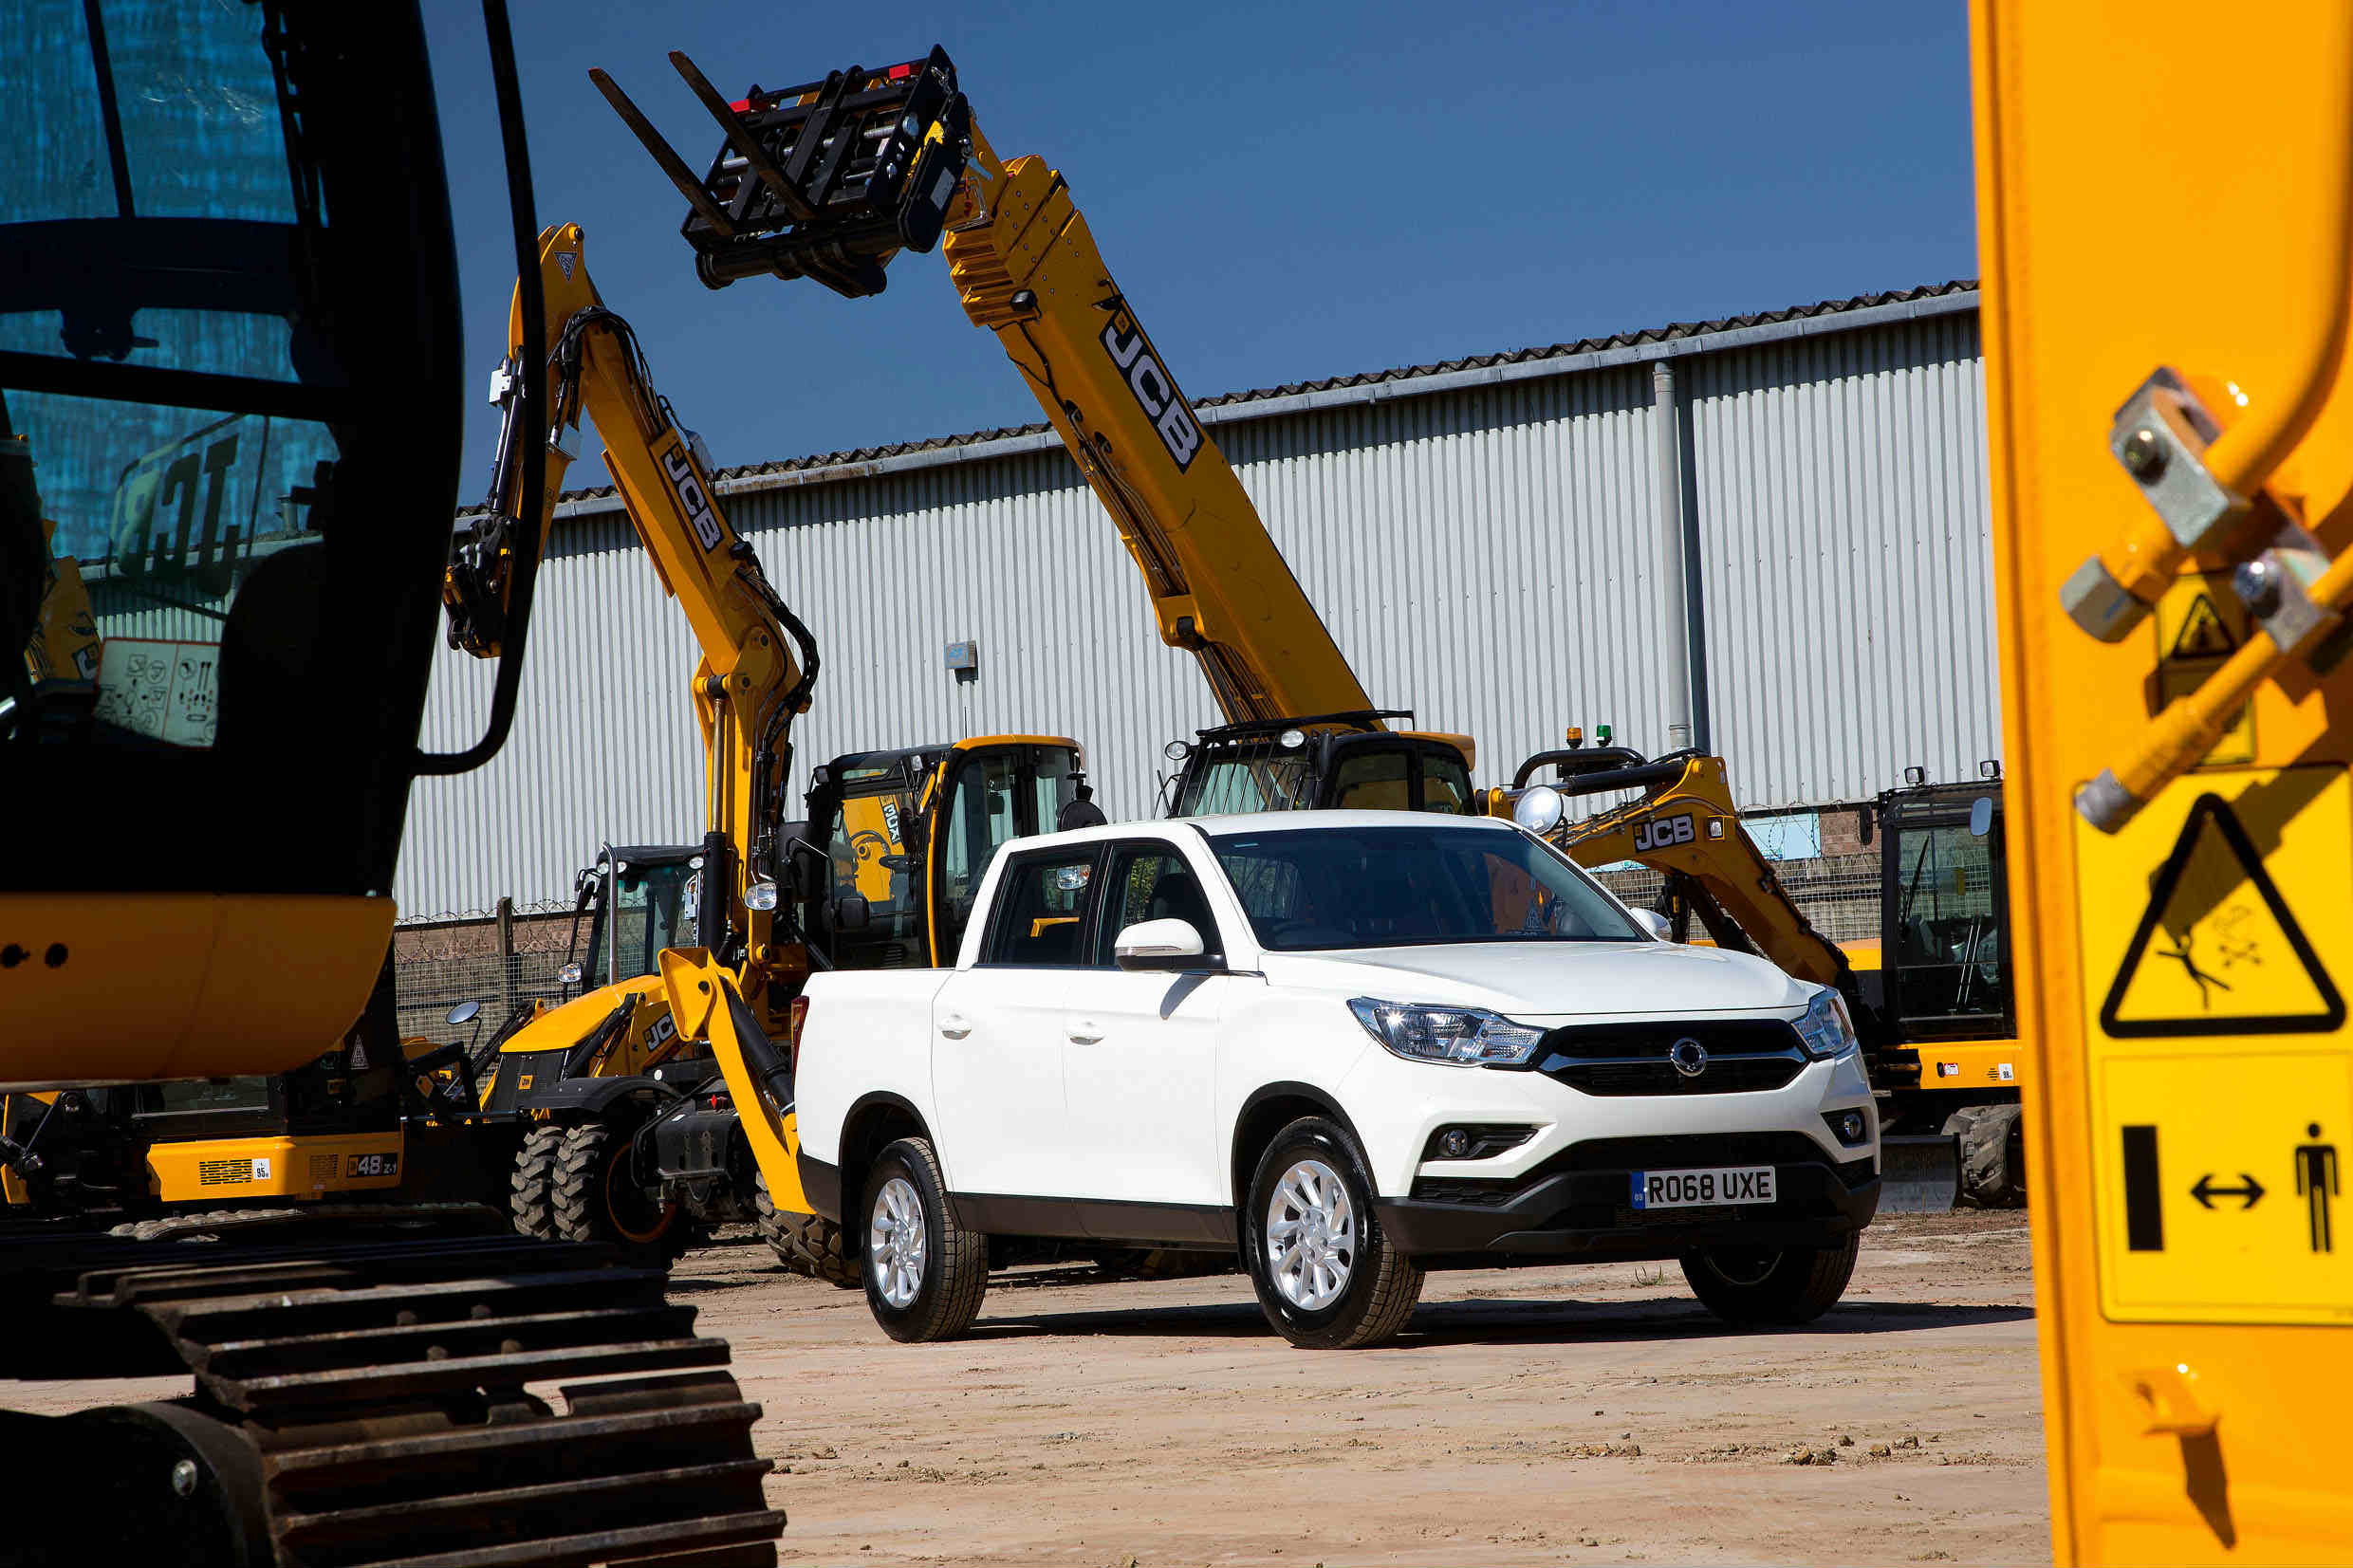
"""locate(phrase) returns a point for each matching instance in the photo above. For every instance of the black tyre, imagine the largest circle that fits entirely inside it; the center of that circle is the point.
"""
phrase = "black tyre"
(1754, 1285)
(1326, 1277)
(595, 1198)
(1994, 1155)
(532, 1189)
(805, 1243)
(924, 1277)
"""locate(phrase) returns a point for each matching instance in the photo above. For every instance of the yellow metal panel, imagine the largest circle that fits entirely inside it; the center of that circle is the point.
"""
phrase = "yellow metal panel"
(116, 988)
(232, 1170)
(1971, 1064)
(2164, 184)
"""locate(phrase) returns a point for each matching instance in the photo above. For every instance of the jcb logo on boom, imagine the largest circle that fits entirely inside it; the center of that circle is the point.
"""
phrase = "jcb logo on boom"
(1155, 393)
(691, 497)
(1666, 833)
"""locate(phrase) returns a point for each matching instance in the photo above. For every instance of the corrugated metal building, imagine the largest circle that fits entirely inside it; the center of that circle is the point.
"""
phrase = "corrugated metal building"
(1494, 541)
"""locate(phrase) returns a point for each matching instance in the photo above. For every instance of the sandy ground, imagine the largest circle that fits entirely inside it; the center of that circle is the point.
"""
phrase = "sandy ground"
(1536, 1415)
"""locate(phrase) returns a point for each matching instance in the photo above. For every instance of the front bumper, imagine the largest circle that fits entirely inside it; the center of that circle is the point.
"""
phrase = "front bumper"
(1576, 1204)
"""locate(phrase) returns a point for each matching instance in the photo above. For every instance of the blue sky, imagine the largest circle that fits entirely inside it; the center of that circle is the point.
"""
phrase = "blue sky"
(1284, 192)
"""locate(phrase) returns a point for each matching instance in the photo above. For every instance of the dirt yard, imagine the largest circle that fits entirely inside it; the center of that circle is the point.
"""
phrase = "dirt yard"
(1537, 1415)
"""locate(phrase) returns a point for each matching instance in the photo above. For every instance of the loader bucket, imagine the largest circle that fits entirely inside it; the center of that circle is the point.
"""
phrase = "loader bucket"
(1921, 1173)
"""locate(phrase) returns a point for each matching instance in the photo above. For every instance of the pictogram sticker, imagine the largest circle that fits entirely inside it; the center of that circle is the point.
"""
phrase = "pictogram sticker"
(2218, 951)
(2199, 623)
(2202, 634)
(2215, 929)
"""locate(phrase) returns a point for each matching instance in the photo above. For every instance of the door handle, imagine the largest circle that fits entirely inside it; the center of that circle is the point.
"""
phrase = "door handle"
(1077, 1038)
(954, 1027)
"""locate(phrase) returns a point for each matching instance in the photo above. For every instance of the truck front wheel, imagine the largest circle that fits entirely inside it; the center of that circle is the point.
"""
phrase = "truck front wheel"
(924, 1276)
(1788, 1285)
(1326, 1276)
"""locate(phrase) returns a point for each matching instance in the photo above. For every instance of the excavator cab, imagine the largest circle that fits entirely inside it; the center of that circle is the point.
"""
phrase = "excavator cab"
(905, 837)
(1333, 761)
(638, 899)
(1944, 914)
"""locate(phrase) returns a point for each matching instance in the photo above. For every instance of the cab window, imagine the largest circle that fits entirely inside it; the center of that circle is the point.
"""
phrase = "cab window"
(1375, 781)
(1445, 785)
(1041, 911)
(1150, 882)
(866, 844)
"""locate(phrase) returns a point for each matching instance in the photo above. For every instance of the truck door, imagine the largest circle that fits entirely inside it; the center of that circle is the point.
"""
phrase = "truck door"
(997, 1033)
(1140, 1055)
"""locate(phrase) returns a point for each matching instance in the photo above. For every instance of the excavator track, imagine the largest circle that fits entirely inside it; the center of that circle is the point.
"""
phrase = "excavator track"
(466, 1402)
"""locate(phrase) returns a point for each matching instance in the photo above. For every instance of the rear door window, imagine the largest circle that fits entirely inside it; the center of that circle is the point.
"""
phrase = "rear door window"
(1041, 911)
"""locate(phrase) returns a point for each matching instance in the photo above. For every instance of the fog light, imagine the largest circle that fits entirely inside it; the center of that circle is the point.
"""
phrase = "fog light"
(1475, 1141)
(1848, 1126)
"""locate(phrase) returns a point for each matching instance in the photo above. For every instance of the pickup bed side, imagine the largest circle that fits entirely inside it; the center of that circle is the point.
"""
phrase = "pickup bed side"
(868, 1033)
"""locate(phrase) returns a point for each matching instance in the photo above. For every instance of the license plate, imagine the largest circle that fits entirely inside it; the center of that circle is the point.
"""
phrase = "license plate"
(1703, 1188)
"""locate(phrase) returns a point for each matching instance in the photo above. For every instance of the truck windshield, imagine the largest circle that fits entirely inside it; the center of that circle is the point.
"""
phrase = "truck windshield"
(1385, 887)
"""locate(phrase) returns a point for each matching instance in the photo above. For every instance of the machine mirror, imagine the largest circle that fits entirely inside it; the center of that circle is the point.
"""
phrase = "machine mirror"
(1981, 816)
(1159, 945)
(1655, 923)
(895, 861)
(1540, 809)
(850, 912)
(465, 1013)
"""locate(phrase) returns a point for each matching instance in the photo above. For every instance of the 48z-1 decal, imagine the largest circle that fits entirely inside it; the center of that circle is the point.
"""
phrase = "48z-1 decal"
(1155, 393)
(689, 490)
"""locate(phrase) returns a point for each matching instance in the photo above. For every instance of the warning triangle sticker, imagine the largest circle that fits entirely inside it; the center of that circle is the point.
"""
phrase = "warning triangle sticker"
(2203, 634)
(2218, 952)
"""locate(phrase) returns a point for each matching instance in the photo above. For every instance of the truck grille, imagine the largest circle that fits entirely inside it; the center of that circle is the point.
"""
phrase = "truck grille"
(1744, 1056)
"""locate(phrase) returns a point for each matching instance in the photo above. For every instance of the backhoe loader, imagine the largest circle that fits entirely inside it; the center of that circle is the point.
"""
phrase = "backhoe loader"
(628, 1136)
(225, 420)
(1300, 732)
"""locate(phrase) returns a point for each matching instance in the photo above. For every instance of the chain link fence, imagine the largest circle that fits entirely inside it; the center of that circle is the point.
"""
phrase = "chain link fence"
(426, 989)
(1839, 894)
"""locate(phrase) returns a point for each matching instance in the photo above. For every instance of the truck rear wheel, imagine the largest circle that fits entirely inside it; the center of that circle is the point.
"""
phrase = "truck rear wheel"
(595, 1198)
(532, 1189)
(805, 1243)
(924, 1276)
(1786, 1285)
(1326, 1277)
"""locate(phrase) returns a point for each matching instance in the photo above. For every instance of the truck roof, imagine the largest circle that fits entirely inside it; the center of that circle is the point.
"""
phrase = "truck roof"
(1270, 822)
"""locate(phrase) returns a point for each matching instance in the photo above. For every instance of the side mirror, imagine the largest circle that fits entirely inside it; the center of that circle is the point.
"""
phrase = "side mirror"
(1159, 945)
(465, 1013)
(1981, 816)
(1659, 927)
(895, 861)
(850, 912)
(570, 974)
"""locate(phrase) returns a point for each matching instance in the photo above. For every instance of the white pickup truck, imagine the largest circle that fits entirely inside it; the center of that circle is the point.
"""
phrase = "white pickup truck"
(1354, 1045)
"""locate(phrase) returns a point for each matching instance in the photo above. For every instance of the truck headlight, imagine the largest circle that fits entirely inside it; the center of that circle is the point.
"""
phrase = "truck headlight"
(1825, 1029)
(1461, 1037)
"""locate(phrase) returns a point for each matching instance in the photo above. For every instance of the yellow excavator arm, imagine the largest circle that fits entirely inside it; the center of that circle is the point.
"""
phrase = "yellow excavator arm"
(1025, 267)
(758, 661)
